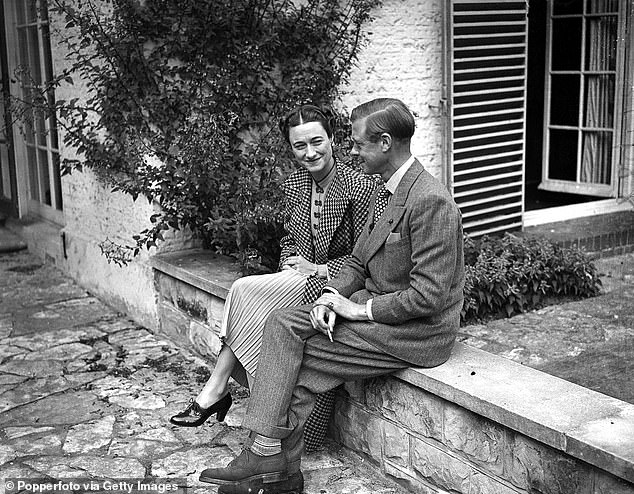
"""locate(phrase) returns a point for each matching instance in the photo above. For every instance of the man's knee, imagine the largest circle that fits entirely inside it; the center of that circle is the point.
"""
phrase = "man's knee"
(291, 319)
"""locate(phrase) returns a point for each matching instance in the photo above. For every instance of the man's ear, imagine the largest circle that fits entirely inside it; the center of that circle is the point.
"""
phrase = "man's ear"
(386, 142)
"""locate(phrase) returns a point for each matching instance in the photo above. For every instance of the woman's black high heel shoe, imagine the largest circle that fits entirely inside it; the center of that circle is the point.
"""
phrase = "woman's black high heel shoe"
(194, 415)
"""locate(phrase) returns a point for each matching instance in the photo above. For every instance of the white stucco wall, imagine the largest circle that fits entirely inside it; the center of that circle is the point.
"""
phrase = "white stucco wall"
(92, 214)
(403, 59)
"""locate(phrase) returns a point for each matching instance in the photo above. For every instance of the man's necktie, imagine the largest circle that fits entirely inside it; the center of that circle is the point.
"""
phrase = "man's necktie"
(382, 198)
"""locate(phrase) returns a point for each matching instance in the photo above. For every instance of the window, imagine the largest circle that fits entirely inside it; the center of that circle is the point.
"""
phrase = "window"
(30, 68)
(582, 94)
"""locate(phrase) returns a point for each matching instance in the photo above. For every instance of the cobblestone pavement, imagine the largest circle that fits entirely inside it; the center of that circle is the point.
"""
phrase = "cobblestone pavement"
(86, 394)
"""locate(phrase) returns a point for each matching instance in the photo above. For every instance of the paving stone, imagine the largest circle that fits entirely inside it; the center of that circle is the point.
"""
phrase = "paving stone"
(189, 463)
(72, 407)
(43, 444)
(31, 391)
(6, 325)
(138, 422)
(16, 471)
(70, 351)
(136, 338)
(140, 448)
(114, 385)
(144, 400)
(344, 481)
(210, 433)
(62, 315)
(7, 387)
(11, 379)
(29, 368)
(83, 438)
(40, 341)
(7, 453)
(15, 432)
(88, 466)
(7, 350)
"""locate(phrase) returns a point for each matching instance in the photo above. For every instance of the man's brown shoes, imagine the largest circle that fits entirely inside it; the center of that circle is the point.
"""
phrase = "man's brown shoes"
(249, 467)
(293, 485)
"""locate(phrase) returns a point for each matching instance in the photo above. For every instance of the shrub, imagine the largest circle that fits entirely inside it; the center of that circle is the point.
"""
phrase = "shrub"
(510, 274)
(184, 101)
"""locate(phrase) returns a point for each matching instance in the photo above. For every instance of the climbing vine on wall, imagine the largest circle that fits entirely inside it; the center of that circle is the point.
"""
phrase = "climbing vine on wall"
(184, 100)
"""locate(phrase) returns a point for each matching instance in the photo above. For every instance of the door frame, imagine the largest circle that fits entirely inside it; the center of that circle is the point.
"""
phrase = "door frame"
(26, 207)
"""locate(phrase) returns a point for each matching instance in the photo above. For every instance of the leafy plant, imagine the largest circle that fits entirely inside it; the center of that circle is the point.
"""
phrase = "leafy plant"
(184, 99)
(511, 274)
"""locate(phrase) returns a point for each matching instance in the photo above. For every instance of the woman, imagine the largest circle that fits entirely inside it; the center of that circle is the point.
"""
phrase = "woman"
(326, 208)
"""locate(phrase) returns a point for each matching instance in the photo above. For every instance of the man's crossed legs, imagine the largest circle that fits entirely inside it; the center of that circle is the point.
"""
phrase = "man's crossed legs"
(296, 361)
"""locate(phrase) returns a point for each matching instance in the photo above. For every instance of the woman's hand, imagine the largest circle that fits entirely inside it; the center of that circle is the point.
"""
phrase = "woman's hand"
(342, 306)
(300, 264)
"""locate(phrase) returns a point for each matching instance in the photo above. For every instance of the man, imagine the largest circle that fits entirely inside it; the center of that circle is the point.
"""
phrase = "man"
(396, 303)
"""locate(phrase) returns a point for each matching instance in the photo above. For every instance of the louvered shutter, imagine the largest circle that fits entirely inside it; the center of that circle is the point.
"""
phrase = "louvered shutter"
(488, 47)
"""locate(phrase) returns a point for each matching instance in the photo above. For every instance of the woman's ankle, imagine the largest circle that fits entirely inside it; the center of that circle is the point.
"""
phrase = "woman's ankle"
(207, 399)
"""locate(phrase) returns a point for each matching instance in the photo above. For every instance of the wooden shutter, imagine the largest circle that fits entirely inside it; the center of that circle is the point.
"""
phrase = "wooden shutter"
(488, 48)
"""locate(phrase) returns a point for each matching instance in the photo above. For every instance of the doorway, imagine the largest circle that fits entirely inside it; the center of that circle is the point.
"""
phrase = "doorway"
(572, 101)
(29, 145)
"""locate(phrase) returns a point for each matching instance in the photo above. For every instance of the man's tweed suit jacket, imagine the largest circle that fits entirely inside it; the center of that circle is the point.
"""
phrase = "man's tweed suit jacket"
(343, 216)
(411, 264)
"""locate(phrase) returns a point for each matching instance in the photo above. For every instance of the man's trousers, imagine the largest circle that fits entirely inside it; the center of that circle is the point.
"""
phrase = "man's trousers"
(296, 361)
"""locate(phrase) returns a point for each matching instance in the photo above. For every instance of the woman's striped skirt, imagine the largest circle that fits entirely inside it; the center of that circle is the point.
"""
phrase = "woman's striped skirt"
(250, 301)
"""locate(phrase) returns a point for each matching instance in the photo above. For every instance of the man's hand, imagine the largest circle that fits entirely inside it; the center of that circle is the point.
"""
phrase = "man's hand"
(300, 264)
(323, 319)
(343, 306)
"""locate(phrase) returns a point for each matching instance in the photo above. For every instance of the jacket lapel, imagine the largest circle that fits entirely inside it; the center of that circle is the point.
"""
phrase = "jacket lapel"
(393, 213)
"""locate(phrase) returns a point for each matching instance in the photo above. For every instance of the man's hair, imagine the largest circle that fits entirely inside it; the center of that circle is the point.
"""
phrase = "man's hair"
(388, 115)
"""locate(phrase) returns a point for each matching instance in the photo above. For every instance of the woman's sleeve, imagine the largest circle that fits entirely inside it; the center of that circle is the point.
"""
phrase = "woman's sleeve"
(287, 243)
(360, 204)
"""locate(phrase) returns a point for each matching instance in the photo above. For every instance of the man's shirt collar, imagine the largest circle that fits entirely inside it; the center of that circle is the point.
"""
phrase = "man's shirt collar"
(395, 179)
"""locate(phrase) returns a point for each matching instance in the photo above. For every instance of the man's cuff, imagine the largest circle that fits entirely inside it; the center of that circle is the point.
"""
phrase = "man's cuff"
(368, 309)
(329, 289)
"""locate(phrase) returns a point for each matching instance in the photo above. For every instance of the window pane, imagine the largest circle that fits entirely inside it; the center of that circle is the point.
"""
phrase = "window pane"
(599, 101)
(562, 7)
(34, 180)
(33, 63)
(45, 177)
(564, 99)
(31, 10)
(57, 181)
(566, 44)
(562, 159)
(601, 43)
(40, 128)
(596, 159)
(602, 6)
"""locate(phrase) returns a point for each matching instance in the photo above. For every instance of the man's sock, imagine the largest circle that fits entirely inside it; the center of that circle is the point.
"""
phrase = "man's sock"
(266, 446)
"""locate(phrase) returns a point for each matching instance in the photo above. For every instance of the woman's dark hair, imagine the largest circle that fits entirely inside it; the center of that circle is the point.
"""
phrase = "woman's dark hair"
(305, 114)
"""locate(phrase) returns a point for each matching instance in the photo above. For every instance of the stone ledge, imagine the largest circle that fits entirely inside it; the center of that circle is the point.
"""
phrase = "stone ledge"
(587, 425)
(203, 269)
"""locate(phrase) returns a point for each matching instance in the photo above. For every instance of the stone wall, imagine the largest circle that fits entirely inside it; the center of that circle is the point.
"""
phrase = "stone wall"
(476, 424)
(432, 445)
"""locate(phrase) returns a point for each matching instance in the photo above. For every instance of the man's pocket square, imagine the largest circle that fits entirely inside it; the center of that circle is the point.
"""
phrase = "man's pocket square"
(393, 237)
